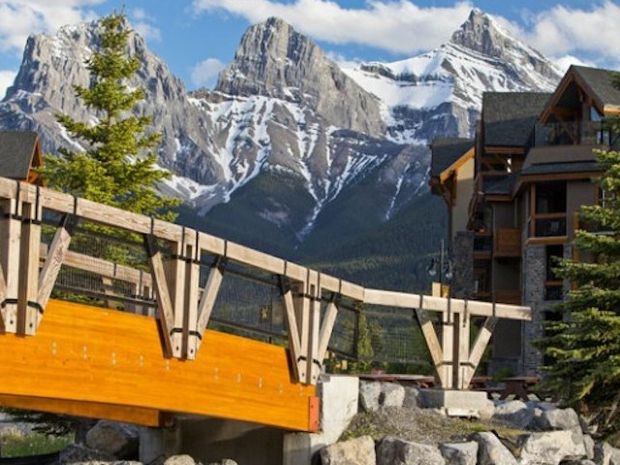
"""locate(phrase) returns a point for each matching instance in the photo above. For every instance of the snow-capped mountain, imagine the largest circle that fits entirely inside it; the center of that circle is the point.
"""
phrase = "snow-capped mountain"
(440, 92)
(288, 139)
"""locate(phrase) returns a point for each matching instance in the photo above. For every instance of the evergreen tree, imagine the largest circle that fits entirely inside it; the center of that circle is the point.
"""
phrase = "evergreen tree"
(584, 348)
(113, 168)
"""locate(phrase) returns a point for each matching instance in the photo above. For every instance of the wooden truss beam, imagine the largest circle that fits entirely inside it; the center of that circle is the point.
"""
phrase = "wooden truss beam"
(55, 258)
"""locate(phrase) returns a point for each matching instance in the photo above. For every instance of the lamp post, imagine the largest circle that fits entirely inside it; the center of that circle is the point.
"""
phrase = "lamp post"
(443, 267)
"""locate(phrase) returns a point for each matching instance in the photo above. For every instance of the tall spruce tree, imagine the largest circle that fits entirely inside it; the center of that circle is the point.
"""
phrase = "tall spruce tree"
(584, 348)
(117, 166)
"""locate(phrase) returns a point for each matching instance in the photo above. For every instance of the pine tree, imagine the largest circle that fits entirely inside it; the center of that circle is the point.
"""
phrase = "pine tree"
(584, 348)
(112, 168)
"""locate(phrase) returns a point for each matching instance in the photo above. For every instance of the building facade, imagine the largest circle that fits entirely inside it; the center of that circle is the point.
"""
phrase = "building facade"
(533, 166)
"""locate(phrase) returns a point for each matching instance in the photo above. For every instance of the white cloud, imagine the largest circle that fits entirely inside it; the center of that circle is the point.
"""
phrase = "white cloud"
(6, 80)
(146, 30)
(398, 26)
(20, 18)
(205, 72)
(564, 62)
(142, 23)
(402, 27)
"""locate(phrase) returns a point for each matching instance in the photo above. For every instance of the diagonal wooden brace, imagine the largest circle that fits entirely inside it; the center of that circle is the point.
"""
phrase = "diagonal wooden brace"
(55, 258)
(165, 309)
(207, 302)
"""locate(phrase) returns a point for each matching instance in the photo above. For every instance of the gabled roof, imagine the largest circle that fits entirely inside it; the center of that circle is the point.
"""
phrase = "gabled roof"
(445, 152)
(19, 152)
(600, 82)
(596, 82)
(509, 117)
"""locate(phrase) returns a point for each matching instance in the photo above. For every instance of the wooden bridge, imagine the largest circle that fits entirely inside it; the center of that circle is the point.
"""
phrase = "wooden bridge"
(126, 335)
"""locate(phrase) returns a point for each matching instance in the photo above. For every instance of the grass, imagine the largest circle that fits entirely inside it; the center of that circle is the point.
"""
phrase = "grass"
(422, 426)
(14, 445)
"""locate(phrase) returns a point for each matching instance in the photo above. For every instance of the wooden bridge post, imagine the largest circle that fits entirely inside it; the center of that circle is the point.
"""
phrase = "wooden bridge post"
(314, 327)
(175, 276)
(10, 237)
(192, 278)
(28, 308)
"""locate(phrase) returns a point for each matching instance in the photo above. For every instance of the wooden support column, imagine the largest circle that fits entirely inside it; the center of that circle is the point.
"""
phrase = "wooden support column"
(10, 236)
(314, 364)
(175, 277)
(55, 258)
(447, 346)
(462, 322)
(165, 308)
(28, 310)
(207, 301)
(192, 278)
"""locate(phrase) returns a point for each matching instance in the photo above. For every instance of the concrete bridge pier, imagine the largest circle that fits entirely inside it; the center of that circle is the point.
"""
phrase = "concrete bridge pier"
(211, 439)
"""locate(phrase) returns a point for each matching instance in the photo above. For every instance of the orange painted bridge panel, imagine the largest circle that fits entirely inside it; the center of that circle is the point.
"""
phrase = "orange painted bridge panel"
(89, 354)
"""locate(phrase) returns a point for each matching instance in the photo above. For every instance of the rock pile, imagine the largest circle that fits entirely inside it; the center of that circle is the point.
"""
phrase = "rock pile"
(537, 433)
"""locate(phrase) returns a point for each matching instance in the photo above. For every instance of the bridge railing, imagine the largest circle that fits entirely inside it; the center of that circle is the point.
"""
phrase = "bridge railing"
(52, 240)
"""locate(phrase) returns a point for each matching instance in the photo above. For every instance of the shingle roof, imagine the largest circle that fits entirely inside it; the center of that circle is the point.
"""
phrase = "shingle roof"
(509, 117)
(601, 83)
(501, 186)
(556, 168)
(447, 151)
(16, 152)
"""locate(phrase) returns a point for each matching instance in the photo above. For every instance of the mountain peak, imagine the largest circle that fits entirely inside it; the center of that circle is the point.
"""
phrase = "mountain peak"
(480, 32)
(275, 60)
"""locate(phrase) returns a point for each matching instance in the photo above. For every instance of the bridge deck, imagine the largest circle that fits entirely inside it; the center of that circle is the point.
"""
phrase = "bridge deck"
(84, 357)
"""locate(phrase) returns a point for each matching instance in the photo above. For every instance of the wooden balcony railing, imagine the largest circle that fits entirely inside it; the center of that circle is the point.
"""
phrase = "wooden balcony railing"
(508, 296)
(507, 242)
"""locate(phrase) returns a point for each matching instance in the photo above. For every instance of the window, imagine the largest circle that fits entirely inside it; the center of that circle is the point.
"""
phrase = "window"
(551, 197)
(550, 214)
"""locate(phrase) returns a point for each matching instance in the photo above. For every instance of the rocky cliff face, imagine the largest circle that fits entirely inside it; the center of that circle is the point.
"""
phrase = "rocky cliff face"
(276, 61)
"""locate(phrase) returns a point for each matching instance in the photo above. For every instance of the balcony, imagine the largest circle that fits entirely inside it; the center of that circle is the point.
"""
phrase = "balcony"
(572, 133)
(508, 296)
(507, 243)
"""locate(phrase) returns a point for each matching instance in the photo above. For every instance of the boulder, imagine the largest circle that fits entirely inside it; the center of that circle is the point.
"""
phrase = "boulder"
(514, 412)
(412, 397)
(358, 451)
(77, 453)
(552, 447)
(558, 419)
(588, 444)
(462, 453)
(604, 454)
(116, 439)
(392, 395)
(579, 462)
(180, 460)
(369, 395)
(224, 462)
(491, 451)
(394, 451)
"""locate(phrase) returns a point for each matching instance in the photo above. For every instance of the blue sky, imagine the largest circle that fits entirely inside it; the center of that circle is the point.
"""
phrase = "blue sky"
(197, 37)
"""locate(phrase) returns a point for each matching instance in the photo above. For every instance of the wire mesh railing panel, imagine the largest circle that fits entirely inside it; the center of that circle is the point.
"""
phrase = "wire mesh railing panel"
(395, 336)
(249, 303)
(103, 266)
(344, 335)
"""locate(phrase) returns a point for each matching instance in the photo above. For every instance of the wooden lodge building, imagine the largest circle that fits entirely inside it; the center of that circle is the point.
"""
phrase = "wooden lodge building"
(513, 196)
(20, 156)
